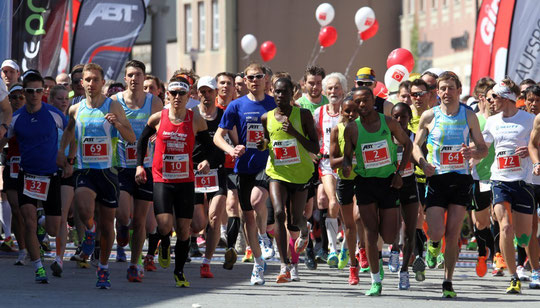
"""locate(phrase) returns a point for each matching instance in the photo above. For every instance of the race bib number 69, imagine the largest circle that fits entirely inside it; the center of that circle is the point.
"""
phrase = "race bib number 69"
(95, 149)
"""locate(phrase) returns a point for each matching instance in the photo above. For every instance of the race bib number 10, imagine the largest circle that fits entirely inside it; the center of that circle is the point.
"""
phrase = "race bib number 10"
(255, 132)
(285, 152)
(175, 166)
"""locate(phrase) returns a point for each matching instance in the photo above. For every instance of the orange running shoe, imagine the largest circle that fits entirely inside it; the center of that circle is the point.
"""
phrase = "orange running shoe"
(284, 275)
(481, 266)
(205, 271)
(499, 260)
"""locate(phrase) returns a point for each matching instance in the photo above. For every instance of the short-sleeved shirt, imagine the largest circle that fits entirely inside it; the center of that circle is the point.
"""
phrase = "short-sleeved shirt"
(246, 115)
(304, 102)
(37, 135)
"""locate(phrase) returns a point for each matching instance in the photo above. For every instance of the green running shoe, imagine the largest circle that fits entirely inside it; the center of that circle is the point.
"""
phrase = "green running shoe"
(440, 261)
(381, 269)
(432, 254)
(448, 290)
(343, 258)
(41, 276)
(376, 289)
(332, 260)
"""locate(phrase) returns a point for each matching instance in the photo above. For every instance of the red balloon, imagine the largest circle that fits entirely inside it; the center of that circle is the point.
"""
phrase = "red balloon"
(268, 51)
(380, 90)
(400, 56)
(327, 36)
(370, 32)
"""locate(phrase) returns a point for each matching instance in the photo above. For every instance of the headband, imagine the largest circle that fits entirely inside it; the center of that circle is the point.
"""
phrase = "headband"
(503, 90)
(178, 84)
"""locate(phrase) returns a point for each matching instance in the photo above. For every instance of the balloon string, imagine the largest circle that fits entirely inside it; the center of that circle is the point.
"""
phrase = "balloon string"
(317, 56)
(313, 52)
(352, 58)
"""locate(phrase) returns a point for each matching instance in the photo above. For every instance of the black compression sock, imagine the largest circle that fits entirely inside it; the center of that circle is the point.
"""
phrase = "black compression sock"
(153, 240)
(322, 225)
(233, 227)
(181, 250)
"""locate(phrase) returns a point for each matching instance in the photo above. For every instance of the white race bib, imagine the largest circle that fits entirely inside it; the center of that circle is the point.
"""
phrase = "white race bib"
(408, 171)
(14, 165)
(95, 150)
(451, 158)
(36, 186)
(207, 183)
(131, 154)
(285, 152)
(175, 166)
(255, 132)
(376, 154)
(508, 162)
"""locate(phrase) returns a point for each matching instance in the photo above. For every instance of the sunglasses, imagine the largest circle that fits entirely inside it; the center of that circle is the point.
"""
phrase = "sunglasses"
(76, 81)
(253, 77)
(419, 94)
(32, 90)
(175, 93)
(15, 96)
(364, 83)
(65, 84)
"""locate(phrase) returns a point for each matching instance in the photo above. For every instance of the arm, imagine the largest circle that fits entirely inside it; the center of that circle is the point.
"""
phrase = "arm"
(402, 138)
(534, 142)
(479, 150)
(201, 130)
(7, 113)
(220, 142)
(419, 140)
(311, 143)
(388, 108)
(351, 135)
(336, 158)
(117, 117)
(67, 138)
(263, 143)
(142, 146)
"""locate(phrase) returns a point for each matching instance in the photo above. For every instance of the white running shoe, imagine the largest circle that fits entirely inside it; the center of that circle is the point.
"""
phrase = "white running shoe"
(257, 275)
(535, 279)
(294, 272)
(404, 283)
(267, 249)
(522, 274)
(393, 261)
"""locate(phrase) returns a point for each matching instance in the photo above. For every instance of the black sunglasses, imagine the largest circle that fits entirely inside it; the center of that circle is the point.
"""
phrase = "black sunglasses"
(361, 83)
(419, 94)
(76, 81)
(32, 90)
(253, 77)
(16, 96)
(175, 93)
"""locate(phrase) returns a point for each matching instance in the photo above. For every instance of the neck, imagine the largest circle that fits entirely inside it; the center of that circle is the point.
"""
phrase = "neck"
(254, 96)
(95, 101)
(285, 109)
(334, 108)
(371, 117)
(135, 97)
(314, 100)
(509, 111)
(33, 108)
(450, 109)
(207, 109)
(178, 113)
(223, 100)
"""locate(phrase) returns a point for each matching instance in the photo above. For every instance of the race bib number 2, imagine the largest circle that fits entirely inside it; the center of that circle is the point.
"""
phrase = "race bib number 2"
(285, 152)
(36, 187)
(207, 183)
(95, 149)
(255, 132)
(376, 154)
(451, 158)
(175, 166)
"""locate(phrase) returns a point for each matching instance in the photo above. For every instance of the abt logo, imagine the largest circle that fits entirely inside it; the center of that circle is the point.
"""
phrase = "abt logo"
(111, 12)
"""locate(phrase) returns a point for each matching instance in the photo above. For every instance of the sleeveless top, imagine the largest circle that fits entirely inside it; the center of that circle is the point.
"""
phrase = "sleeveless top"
(341, 141)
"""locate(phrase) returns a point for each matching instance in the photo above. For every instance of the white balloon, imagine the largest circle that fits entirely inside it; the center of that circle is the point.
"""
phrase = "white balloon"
(395, 75)
(364, 18)
(324, 14)
(249, 43)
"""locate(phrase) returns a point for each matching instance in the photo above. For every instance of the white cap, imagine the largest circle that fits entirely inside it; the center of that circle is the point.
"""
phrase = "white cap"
(207, 81)
(11, 64)
(435, 70)
(16, 87)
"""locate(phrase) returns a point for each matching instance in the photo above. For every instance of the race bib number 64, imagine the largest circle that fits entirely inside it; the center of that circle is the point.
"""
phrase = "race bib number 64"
(451, 158)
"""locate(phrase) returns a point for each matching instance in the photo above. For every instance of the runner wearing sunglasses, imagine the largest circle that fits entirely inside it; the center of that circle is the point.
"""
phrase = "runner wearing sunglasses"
(365, 77)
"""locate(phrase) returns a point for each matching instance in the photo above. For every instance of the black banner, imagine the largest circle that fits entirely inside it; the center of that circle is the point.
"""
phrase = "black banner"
(106, 32)
(38, 26)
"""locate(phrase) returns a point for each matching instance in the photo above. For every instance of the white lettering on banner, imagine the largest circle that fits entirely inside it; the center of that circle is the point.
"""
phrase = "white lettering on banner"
(528, 58)
(487, 24)
(111, 12)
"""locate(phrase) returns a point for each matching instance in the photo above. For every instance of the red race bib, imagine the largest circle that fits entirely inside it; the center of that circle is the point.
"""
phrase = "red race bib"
(175, 166)
(451, 158)
(255, 132)
(376, 154)
(285, 152)
(508, 161)
(36, 186)
(207, 183)
(95, 149)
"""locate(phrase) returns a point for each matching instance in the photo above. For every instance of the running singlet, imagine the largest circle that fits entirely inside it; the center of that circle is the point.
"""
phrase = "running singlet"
(306, 104)
(341, 141)
(37, 136)
(217, 157)
(324, 123)
(246, 114)
(289, 161)
(174, 149)
(94, 136)
(376, 153)
(507, 134)
(409, 169)
(127, 153)
(482, 170)
(445, 139)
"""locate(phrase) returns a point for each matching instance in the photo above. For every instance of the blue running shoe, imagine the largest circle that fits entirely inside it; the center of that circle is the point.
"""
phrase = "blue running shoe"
(120, 254)
(103, 281)
(89, 242)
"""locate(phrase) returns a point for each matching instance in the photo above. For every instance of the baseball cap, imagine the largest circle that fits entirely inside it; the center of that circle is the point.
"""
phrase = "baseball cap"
(365, 74)
(207, 81)
(16, 87)
(12, 64)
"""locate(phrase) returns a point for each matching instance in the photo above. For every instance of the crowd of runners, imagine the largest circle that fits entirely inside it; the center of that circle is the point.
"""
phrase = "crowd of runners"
(263, 165)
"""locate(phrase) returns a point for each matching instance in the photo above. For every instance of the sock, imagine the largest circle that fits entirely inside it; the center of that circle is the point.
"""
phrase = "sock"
(59, 260)
(515, 276)
(206, 261)
(375, 277)
(395, 248)
(153, 240)
(435, 244)
(181, 250)
(103, 266)
(223, 229)
(233, 227)
(480, 242)
(380, 255)
(496, 230)
(331, 231)
(420, 242)
(259, 261)
(310, 243)
(294, 256)
(23, 252)
(165, 242)
(6, 218)
(485, 237)
(41, 221)
(521, 255)
(37, 264)
(322, 226)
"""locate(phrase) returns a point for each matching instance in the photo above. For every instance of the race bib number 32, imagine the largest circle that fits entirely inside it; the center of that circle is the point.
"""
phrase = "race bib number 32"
(255, 132)
(36, 187)
(285, 152)
(451, 158)
(175, 166)
(95, 149)
(376, 154)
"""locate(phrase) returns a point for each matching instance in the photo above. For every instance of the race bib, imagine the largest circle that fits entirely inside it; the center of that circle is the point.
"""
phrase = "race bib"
(207, 183)
(36, 186)
(485, 186)
(376, 154)
(229, 160)
(508, 161)
(175, 166)
(14, 167)
(95, 150)
(451, 158)
(408, 171)
(285, 152)
(131, 154)
(255, 132)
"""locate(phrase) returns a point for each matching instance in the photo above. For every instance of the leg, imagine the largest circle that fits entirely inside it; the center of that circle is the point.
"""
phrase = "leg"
(456, 213)
(106, 226)
(278, 194)
(67, 193)
(18, 221)
(347, 211)
(29, 214)
(215, 214)
(329, 186)
(140, 212)
(258, 200)
(409, 213)
(369, 214)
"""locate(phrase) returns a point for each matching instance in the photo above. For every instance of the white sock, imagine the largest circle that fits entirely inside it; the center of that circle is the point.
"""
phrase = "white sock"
(106, 266)
(93, 229)
(59, 260)
(375, 277)
(206, 261)
(41, 221)
(37, 264)
(331, 231)
(259, 261)
(344, 243)
(6, 217)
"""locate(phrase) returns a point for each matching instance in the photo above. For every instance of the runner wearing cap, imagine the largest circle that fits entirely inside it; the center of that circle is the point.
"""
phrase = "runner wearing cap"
(176, 128)
(10, 72)
(365, 77)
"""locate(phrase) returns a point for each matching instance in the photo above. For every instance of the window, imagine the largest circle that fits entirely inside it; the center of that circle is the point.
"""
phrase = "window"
(434, 4)
(202, 27)
(421, 8)
(411, 6)
(215, 24)
(188, 28)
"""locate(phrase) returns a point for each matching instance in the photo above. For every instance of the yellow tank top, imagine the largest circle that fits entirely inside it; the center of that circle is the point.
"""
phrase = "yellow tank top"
(341, 141)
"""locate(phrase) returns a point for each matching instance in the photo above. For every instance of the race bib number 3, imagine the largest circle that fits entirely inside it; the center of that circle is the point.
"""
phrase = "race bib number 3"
(376, 154)
(452, 159)
(408, 171)
(95, 150)
(207, 183)
(285, 152)
(508, 161)
(175, 166)
(14, 167)
(255, 132)
(36, 187)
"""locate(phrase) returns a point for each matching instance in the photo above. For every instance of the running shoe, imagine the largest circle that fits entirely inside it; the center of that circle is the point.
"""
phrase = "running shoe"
(181, 281)
(248, 257)
(89, 242)
(149, 265)
(284, 275)
(448, 290)
(300, 244)
(120, 254)
(56, 269)
(440, 261)
(83, 264)
(376, 289)
(497, 272)
(103, 281)
(164, 257)
(515, 287)
(76, 255)
(41, 232)
(294, 272)
(381, 269)
(133, 274)
(364, 264)
(267, 248)
(257, 275)
(41, 276)
(8, 245)
(194, 251)
(522, 274)
(432, 254)
(230, 258)
(94, 258)
(343, 258)
(122, 235)
(393, 261)
(309, 260)
(481, 266)
(205, 271)
(201, 241)
(321, 256)
(353, 275)
(419, 268)
(404, 283)
(21, 258)
(472, 245)
(332, 260)
(535, 280)
(499, 260)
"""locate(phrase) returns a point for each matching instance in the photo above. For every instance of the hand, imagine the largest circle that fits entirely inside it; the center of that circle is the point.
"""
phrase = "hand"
(466, 151)
(203, 167)
(428, 169)
(238, 151)
(153, 138)
(397, 181)
(111, 117)
(536, 170)
(140, 175)
(61, 160)
(262, 144)
(3, 131)
(289, 128)
(522, 152)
